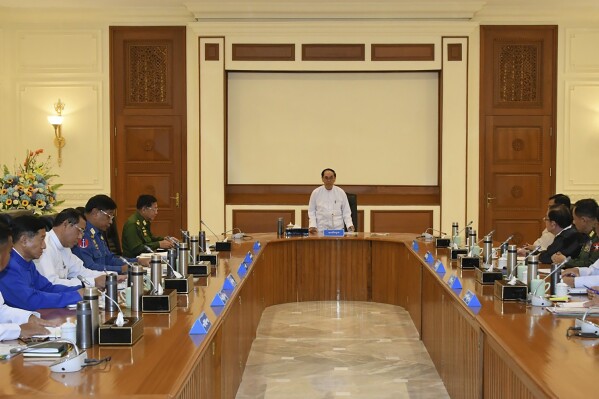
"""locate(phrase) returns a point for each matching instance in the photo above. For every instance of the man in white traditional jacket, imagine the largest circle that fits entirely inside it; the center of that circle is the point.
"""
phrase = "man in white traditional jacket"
(16, 323)
(329, 208)
(57, 263)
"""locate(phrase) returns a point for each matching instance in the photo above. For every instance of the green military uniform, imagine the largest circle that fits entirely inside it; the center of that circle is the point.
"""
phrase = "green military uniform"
(589, 252)
(136, 234)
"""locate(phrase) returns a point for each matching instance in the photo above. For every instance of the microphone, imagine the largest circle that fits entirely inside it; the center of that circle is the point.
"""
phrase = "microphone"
(465, 227)
(149, 249)
(427, 236)
(506, 241)
(68, 364)
(209, 229)
(490, 233)
(238, 235)
(120, 319)
(84, 281)
(537, 300)
(535, 250)
(185, 234)
(588, 328)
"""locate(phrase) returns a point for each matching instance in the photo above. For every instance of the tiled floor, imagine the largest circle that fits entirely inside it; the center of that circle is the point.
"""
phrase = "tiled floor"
(338, 349)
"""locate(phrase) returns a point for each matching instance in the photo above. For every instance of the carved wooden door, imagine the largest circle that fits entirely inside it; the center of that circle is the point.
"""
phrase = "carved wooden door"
(148, 122)
(517, 138)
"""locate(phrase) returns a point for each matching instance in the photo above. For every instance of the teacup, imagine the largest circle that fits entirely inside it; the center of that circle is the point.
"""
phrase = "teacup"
(536, 287)
(561, 289)
(125, 296)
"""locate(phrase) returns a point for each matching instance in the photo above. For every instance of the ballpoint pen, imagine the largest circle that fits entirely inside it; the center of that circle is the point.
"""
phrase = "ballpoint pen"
(594, 291)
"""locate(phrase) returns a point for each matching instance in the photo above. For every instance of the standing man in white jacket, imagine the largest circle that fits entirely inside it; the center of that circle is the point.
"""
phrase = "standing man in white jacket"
(329, 208)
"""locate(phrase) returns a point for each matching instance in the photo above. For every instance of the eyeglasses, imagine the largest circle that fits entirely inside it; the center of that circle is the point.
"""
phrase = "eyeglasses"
(81, 231)
(107, 214)
(328, 177)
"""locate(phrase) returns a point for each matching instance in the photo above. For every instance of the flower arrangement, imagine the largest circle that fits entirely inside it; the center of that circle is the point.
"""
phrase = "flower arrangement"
(29, 186)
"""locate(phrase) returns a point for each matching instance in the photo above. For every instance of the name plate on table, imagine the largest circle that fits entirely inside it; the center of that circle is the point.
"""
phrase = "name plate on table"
(454, 282)
(220, 299)
(438, 266)
(242, 270)
(471, 300)
(428, 257)
(333, 233)
(229, 283)
(415, 246)
(248, 258)
(257, 246)
(201, 325)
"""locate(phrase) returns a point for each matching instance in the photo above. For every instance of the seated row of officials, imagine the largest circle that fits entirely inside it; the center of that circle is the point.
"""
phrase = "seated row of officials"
(40, 269)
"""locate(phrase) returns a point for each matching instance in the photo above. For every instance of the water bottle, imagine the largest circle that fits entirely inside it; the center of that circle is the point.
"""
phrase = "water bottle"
(280, 227)
(532, 264)
(488, 249)
(91, 294)
(202, 242)
(112, 293)
(194, 250)
(471, 239)
(183, 259)
(512, 259)
(172, 260)
(84, 325)
(156, 270)
(137, 287)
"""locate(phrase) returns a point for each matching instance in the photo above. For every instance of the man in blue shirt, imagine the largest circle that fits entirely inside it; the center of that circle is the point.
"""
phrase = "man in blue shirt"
(93, 249)
(20, 283)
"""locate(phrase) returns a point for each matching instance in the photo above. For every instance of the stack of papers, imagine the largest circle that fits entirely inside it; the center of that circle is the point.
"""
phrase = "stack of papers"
(572, 309)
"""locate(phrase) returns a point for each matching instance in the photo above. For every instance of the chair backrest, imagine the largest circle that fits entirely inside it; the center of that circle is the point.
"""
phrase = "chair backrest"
(353, 206)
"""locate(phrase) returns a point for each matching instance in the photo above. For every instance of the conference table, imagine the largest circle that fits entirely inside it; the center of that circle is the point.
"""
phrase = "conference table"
(498, 349)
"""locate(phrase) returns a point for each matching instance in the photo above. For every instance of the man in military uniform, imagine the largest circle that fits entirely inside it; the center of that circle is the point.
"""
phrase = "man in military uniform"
(93, 249)
(585, 220)
(137, 233)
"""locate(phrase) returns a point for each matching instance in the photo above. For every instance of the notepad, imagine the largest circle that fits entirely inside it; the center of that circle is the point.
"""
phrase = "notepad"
(46, 349)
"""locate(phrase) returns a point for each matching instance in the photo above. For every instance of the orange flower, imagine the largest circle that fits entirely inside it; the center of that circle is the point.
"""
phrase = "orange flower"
(8, 202)
(41, 150)
(24, 202)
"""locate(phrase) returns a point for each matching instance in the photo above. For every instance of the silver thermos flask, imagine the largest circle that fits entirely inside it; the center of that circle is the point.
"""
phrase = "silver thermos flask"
(487, 249)
(111, 292)
(84, 325)
(185, 236)
(512, 257)
(194, 250)
(183, 259)
(471, 239)
(91, 295)
(467, 231)
(137, 287)
(202, 243)
(156, 270)
(280, 227)
(172, 260)
(454, 230)
(532, 268)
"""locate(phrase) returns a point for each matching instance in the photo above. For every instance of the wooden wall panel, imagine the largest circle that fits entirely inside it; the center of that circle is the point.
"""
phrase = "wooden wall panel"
(461, 343)
(387, 264)
(433, 326)
(330, 271)
(403, 52)
(500, 379)
(261, 220)
(263, 52)
(410, 287)
(401, 221)
(255, 194)
(281, 269)
(333, 52)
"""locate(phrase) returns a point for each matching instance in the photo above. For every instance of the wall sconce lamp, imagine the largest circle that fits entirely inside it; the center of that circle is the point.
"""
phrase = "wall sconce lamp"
(56, 121)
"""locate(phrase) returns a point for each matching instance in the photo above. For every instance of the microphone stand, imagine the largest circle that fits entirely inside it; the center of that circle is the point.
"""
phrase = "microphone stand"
(537, 300)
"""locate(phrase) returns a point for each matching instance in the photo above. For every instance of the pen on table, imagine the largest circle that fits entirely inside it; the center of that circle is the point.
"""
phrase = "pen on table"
(594, 291)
